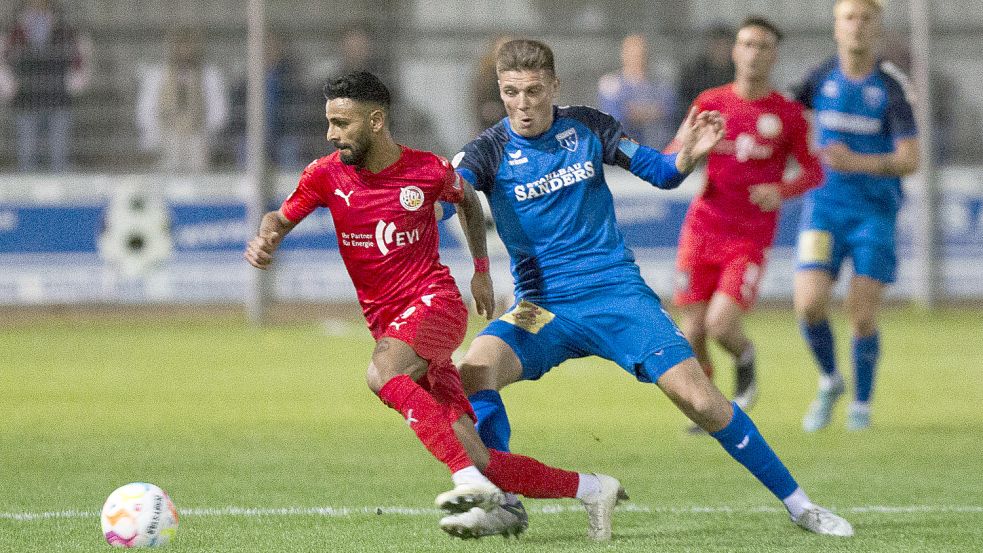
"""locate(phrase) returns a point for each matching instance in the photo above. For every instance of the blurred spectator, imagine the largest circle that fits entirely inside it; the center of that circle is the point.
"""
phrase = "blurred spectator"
(645, 106)
(488, 106)
(714, 67)
(182, 105)
(363, 48)
(43, 63)
(285, 99)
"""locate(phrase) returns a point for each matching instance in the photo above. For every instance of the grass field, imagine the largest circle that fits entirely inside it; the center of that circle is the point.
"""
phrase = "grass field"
(268, 440)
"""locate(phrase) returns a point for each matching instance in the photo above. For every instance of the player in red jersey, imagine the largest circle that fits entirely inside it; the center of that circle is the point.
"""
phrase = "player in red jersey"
(731, 224)
(382, 198)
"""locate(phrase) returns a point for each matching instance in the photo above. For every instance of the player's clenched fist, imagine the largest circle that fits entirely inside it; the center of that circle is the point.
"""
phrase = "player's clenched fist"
(259, 250)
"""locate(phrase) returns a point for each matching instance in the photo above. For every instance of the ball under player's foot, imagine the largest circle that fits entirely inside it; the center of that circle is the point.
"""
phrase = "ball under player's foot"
(746, 381)
(507, 520)
(600, 507)
(824, 522)
(821, 410)
(470, 494)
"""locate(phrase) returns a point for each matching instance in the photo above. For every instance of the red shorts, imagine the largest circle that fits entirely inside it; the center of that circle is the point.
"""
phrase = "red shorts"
(705, 266)
(434, 326)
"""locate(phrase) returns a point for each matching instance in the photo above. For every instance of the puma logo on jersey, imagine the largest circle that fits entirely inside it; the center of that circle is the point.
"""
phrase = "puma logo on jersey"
(346, 197)
(386, 235)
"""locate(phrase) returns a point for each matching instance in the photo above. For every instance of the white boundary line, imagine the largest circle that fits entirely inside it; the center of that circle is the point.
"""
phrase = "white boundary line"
(347, 512)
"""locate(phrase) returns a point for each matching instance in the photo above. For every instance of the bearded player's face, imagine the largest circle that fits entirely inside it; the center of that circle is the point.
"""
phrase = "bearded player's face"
(350, 129)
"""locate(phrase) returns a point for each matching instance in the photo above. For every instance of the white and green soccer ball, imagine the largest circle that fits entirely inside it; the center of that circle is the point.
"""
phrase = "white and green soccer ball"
(139, 515)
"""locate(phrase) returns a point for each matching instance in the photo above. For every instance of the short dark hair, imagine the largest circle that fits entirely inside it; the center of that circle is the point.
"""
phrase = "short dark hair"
(360, 86)
(764, 23)
(719, 31)
(524, 55)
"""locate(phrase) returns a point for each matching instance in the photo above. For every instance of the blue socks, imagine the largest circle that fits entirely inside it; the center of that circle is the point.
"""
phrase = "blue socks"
(741, 439)
(820, 340)
(493, 422)
(866, 350)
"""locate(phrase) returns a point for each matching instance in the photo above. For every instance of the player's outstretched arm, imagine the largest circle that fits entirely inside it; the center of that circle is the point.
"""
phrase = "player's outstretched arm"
(902, 162)
(473, 223)
(697, 135)
(272, 229)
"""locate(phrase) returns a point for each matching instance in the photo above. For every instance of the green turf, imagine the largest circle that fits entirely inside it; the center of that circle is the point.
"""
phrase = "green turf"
(221, 415)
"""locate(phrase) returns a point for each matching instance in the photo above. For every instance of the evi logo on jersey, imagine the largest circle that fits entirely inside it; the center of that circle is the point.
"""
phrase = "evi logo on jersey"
(387, 237)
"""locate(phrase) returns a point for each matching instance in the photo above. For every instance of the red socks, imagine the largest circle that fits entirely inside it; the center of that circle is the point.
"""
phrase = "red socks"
(526, 476)
(430, 420)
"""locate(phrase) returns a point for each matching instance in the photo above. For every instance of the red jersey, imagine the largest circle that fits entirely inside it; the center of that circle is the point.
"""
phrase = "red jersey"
(760, 135)
(386, 227)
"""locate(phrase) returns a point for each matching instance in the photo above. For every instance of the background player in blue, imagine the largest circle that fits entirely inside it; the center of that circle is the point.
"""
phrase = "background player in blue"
(578, 289)
(866, 131)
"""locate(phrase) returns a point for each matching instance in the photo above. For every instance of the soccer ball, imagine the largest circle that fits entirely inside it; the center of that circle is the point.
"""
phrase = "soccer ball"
(139, 515)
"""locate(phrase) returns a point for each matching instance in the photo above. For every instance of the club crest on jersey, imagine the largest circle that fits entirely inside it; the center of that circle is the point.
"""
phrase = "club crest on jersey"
(873, 96)
(831, 89)
(411, 198)
(769, 125)
(568, 139)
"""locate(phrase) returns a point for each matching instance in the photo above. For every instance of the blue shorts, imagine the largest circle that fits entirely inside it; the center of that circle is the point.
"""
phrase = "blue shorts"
(625, 324)
(827, 235)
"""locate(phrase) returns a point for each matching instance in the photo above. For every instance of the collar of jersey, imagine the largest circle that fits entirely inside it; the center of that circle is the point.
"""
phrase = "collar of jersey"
(862, 81)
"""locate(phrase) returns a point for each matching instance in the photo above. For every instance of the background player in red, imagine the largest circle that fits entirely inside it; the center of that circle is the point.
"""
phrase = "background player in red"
(382, 197)
(731, 224)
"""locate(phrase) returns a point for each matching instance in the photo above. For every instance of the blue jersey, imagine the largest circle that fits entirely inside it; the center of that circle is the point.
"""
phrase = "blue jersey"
(551, 204)
(868, 116)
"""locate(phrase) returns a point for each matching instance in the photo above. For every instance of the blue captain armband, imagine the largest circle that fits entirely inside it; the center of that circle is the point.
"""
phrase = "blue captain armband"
(652, 165)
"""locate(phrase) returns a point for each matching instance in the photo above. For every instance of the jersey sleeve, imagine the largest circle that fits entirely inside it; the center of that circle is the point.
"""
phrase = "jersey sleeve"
(804, 92)
(900, 117)
(608, 130)
(477, 164)
(304, 199)
(451, 190)
(810, 169)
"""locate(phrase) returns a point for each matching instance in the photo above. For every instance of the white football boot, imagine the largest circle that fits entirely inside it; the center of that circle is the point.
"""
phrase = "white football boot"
(821, 409)
(600, 507)
(464, 497)
(824, 522)
(503, 520)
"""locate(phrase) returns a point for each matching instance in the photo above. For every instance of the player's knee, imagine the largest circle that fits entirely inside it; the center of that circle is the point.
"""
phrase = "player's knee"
(694, 329)
(864, 324)
(719, 327)
(475, 377)
(810, 310)
(376, 377)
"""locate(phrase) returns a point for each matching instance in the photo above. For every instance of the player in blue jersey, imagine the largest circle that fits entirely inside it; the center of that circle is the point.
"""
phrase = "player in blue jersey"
(578, 289)
(866, 132)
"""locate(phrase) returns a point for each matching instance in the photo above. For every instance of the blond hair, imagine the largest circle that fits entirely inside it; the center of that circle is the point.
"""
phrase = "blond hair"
(876, 4)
